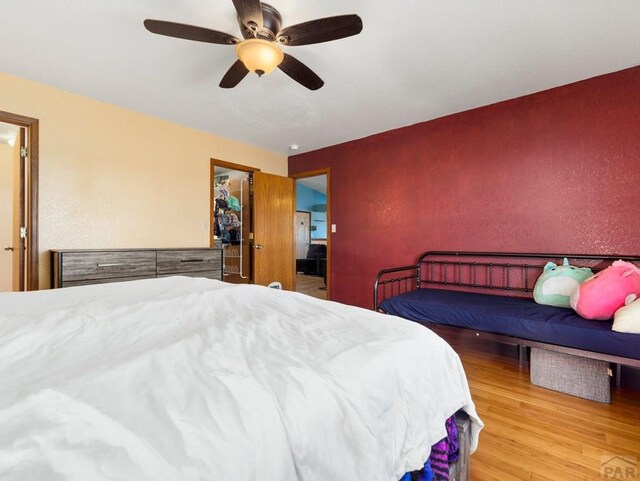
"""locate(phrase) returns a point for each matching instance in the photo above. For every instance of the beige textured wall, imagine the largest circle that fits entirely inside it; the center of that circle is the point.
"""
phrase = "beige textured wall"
(111, 177)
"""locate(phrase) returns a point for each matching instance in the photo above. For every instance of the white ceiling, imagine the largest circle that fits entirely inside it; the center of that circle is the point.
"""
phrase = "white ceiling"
(317, 183)
(415, 60)
(8, 133)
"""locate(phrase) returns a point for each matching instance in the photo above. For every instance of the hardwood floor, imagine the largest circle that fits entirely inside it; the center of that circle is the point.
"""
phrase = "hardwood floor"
(535, 434)
(311, 285)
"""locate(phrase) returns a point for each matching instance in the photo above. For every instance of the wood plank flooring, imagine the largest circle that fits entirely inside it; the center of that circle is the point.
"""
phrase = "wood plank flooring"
(535, 434)
(311, 285)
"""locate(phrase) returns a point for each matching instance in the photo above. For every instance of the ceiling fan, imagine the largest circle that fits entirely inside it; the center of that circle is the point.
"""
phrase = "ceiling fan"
(260, 52)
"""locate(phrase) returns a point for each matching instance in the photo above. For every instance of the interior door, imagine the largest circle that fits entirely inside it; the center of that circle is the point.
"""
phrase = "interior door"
(302, 231)
(273, 245)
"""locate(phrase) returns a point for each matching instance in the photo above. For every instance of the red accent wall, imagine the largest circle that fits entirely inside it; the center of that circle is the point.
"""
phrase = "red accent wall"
(556, 171)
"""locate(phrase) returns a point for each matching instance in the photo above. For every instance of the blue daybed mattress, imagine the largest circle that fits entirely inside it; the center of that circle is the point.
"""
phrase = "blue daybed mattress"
(512, 316)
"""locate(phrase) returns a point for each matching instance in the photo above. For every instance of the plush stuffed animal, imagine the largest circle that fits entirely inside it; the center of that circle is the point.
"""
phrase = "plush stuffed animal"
(600, 296)
(556, 283)
(627, 318)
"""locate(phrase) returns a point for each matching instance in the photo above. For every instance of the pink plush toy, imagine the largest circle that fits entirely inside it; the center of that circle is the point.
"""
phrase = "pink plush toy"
(600, 296)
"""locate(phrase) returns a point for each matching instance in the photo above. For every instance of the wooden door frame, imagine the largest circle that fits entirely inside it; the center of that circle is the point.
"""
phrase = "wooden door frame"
(213, 163)
(227, 165)
(313, 173)
(31, 197)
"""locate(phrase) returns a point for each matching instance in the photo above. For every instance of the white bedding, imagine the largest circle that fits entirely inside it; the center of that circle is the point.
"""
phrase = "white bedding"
(193, 379)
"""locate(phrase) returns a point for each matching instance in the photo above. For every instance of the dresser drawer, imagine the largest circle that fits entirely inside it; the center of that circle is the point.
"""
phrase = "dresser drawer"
(88, 282)
(175, 262)
(89, 266)
(215, 274)
(85, 266)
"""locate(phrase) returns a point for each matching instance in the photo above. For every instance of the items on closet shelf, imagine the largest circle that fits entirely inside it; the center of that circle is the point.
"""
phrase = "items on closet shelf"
(226, 222)
(231, 217)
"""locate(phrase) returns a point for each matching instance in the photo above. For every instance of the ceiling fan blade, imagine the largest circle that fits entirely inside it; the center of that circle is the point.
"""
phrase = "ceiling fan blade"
(189, 32)
(299, 72)
(321, 30)
(250, 12)
(234, 75)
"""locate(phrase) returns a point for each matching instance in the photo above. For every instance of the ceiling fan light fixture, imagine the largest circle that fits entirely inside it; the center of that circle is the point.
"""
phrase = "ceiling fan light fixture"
(259, 56)
(261, 27)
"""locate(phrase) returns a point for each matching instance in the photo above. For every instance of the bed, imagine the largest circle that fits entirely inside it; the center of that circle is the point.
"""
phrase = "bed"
(489, 295)
(195, 379)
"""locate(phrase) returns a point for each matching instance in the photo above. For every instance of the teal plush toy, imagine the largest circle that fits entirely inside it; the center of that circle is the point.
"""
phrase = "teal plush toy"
(557, 283)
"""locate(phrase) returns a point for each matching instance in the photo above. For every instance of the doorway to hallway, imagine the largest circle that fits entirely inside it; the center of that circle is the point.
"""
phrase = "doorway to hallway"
(19, 202)
(312, 233)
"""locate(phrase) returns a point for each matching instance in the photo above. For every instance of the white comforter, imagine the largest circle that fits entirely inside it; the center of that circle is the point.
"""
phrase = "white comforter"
(192, 379)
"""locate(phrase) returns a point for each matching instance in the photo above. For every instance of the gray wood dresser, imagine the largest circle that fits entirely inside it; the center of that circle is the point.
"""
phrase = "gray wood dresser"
(77, 267)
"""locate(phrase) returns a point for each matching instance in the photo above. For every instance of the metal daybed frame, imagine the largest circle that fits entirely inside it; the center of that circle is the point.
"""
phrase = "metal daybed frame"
(507, 274)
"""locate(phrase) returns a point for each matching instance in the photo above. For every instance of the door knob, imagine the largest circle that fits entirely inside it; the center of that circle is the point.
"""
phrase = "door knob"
(258, 246)
(8, 248)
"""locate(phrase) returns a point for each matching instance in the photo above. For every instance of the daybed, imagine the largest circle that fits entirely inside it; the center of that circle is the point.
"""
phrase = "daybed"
(195, 379)
(489, 295)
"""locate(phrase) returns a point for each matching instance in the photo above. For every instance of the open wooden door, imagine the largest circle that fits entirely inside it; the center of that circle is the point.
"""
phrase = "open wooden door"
(273, 244)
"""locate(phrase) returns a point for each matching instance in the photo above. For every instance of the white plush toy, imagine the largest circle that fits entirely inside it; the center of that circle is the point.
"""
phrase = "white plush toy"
(627, 318)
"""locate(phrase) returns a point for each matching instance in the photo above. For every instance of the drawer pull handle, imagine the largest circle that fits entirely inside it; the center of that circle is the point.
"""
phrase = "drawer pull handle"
(191, 260)
(102, 266)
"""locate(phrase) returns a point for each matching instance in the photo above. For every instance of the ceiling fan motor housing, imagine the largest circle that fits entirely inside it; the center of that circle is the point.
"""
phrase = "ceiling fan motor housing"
(271, 25)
